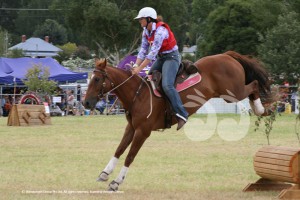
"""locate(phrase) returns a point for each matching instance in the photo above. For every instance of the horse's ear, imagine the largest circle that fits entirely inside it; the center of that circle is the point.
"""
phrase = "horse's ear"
(100, 62)
(97, 60)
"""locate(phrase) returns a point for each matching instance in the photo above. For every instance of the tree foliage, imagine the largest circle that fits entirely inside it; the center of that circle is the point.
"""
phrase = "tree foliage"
(113, 26)
(2, 42)
(230, 28)
(8, 16)
(110, 28)
(280, 49)
(107, 27)
(37, 80)
(67, 52)
(15, 53)
(56, 32)
(29, 17)
(236, 25)
(200, 10)
(83, 52)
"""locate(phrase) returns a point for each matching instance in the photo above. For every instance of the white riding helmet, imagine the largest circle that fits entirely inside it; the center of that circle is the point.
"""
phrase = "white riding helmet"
(147, 12)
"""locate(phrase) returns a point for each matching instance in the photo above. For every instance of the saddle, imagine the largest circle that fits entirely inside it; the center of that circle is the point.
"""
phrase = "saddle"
(187, 76)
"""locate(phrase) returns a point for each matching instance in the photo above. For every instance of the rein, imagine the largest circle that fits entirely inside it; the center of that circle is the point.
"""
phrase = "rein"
(105, 75)
(150, 96)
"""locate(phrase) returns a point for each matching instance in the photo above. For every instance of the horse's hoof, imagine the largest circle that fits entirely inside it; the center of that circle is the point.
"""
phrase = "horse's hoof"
(267, 112)
(103, 177)
(113, 186)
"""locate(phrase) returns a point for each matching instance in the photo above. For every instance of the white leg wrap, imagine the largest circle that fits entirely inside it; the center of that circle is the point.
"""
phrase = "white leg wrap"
(252, 106)
(111, 165)
(259, 109)
(122, 175)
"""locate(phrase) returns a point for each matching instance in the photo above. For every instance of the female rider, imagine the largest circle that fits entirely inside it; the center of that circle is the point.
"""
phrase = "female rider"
(158, 41)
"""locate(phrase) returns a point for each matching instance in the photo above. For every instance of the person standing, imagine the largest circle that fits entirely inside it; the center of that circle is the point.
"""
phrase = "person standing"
(79, 106)
(70, 102)
(6, 106)
(2, 105)
(159, 41)
(294, 98)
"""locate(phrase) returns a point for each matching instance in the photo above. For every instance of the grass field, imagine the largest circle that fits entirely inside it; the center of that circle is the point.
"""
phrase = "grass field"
(63, 160)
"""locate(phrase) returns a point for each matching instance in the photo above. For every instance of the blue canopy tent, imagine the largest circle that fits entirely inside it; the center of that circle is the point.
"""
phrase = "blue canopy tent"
(17, 68)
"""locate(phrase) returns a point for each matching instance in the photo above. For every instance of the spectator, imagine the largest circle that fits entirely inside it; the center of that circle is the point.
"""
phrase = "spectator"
(79, 106)
(70, 102)
(294, 98)
(101, 105)
(63, 105)
(7, 106)
(2, 105)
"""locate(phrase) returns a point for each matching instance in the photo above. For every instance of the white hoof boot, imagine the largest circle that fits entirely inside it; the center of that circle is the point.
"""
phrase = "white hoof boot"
(259, 109)
(103, 177)
(113, 186)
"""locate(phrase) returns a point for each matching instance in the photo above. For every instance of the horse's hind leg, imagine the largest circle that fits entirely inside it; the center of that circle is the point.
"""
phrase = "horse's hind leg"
(254, 98)
(126, 140)
(140, 137)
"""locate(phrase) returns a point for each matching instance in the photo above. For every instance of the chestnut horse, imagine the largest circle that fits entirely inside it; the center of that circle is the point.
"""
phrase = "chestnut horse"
(227, 74)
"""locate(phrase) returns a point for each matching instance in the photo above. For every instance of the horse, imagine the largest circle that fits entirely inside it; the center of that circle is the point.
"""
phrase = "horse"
(227, 74)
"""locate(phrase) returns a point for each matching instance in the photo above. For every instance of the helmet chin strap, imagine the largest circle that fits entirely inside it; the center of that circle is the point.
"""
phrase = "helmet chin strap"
(148, 19)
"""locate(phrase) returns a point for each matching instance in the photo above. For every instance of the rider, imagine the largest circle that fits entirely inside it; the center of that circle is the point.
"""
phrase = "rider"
(158, 38)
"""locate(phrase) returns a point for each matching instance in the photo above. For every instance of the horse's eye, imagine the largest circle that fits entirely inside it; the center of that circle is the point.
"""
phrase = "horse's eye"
(97, 79)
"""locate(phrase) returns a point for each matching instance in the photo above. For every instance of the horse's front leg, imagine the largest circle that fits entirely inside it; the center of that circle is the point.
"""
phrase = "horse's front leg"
(126, 140)
(139, 138)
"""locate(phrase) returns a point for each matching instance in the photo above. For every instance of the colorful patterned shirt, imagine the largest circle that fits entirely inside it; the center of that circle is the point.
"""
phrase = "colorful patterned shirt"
(161, 33)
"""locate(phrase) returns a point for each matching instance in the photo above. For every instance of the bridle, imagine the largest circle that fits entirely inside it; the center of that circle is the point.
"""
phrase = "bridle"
(105, 75)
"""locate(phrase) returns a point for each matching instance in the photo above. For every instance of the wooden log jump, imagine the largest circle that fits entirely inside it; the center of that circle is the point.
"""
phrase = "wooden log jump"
(278, 168)
(27, 115)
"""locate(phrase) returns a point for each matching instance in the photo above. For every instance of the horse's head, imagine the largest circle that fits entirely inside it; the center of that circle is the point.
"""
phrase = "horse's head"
(99, 84)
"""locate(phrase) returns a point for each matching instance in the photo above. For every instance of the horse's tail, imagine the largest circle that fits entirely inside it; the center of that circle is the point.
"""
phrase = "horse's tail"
(254, 70)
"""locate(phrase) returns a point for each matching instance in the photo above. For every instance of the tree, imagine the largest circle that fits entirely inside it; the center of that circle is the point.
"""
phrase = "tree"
(230, 28)
(107, 27)
(9, 15)
(200, 11)
(111, 28)
(177, 16)
(56, 32)
(76, 64)
(4, 40)
(73, 16)
(294, 5)
(266, 13)
(280, 49)
(67, 52)
(83, 52)
(237, 24)
(37, 80)
(32, 15)
(15, 53)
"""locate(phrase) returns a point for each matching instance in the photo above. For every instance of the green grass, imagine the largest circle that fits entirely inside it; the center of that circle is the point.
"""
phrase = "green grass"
(69, 154)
